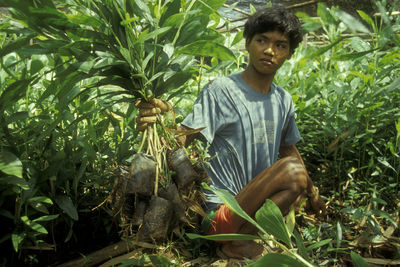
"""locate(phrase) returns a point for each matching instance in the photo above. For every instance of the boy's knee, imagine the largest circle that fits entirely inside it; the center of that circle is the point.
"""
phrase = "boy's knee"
(297, 174)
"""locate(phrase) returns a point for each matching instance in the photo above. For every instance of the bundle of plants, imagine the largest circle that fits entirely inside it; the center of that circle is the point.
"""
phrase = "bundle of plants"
(162, 54)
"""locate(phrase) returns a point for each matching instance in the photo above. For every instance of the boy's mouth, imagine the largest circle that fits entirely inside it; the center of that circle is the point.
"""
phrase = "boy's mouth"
(267, 61)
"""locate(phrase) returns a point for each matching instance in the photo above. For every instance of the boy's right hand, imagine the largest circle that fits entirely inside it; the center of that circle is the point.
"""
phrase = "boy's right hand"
(148, 112)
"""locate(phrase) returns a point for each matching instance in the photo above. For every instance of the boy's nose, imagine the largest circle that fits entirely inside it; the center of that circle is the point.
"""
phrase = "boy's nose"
(268, 50)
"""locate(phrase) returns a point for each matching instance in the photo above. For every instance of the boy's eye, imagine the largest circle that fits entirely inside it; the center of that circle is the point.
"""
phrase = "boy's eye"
(281, 45)
(261, 41)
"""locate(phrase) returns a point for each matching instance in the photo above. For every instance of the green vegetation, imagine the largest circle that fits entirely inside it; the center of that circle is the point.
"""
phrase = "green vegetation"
(71, 72)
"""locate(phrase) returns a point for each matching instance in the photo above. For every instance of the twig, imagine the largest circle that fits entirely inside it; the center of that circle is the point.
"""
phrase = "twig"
(394, 13)
(238, 10)
(97, 257)
(303, 4)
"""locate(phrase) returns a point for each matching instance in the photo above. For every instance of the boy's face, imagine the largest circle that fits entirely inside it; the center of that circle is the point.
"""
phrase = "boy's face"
(268, 51)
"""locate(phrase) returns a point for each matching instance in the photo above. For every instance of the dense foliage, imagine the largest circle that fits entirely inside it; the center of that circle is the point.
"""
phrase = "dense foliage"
(70, 74)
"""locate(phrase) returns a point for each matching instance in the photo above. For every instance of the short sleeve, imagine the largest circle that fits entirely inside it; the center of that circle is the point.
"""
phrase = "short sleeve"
(206, 113)
(290, 132)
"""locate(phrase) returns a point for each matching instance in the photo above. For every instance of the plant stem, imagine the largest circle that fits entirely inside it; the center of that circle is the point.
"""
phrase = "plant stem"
(142, 142)
(157, 158)
(289, 251)
(182, 22)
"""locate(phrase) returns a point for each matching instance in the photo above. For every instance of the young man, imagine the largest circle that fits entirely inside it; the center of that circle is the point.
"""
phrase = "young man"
(249, 121)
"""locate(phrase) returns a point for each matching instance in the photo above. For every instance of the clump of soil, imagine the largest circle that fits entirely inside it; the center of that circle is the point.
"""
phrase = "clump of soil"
(150, 217)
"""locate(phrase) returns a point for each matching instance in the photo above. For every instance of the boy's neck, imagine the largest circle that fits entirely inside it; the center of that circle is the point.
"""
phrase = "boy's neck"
(257, 81)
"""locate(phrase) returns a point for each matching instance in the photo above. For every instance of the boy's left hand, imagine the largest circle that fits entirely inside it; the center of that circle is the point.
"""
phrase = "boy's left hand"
(316, 202)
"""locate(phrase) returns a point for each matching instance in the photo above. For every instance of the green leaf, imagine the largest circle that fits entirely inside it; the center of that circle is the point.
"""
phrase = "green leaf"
(17, 116)
(20, 182)
(16, 45)
(65, 203)
(324, 14)
(41, 199)
(207, 49)
(152, 34)
(36, 66)
(366, 18)
(33, 225)
(397, 125)
(351, 56)
(394, 85)
(290, 220)
(160, 261)
(357, 260)
(276, 260)
(383, 214)
(13, 93)
(221, 237)
(10, 164)
(85, 66)
(40, 207)
(271, 220)
(323, 49)
(209, 6)
(232, 204)
(351, 22)
(6, 214)
(238, 38)
(311, 26)
(17, 240)
(38, 203)
(174, 20)
(319, 244)
(142, 10)
(46, 218)
(300, 244)
(252, 9)
(385, 163)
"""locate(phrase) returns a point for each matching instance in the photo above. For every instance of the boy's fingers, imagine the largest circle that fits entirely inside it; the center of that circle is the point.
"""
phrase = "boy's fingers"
(143, 104)
(148, 119)
(142, 126)
(149, 112)
(162, 105)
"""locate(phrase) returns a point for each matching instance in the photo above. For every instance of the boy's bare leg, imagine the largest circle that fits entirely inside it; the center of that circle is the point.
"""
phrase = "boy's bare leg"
(283, 183)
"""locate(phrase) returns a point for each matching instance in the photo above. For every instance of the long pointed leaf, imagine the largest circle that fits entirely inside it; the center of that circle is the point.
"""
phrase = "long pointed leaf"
(65, 203)
(16, 45)
(277, 260)
(270, 218)
(351, 22)
(357, 260)
(207, 49)
(222, 237)
(322, 50)
(10, 164)
(13, 93)
(231, 203)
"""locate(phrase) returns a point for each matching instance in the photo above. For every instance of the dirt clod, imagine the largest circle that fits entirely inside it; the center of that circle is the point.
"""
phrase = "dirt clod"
(156, 219)
(142, 175)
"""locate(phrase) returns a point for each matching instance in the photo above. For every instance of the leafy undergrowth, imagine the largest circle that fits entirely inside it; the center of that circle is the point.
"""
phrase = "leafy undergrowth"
(328, 241)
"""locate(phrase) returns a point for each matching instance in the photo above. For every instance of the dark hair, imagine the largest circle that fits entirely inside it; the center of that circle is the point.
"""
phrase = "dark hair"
(274, 18)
